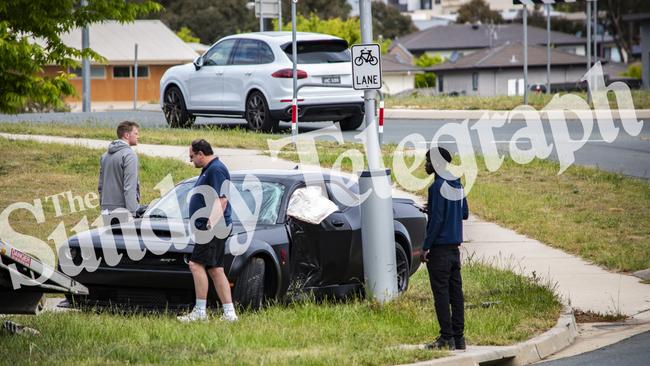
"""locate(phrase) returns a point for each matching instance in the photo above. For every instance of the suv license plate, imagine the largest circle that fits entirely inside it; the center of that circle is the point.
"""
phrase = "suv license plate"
(331, 80)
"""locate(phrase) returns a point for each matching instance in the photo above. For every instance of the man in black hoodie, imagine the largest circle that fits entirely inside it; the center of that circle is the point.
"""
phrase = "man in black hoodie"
(446, 208)
(119, 185)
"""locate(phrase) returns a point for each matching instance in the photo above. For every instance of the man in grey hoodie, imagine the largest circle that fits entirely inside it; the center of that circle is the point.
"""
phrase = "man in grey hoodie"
(119, 185)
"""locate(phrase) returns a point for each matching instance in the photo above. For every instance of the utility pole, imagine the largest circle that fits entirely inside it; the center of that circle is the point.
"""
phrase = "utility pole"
(525, 54)
(588, 24)
(377, 233)
(85, 67)
(135, 79)
(548, 48)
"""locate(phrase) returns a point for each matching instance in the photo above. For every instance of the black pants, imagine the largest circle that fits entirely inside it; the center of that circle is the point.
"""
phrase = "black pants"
(447, 288)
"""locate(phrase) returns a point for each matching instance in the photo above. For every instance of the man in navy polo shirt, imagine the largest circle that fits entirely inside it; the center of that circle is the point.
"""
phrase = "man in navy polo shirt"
(208, 255)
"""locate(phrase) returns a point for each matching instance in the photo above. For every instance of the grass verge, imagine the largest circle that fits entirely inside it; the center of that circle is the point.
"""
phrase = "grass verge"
(584, 211)
(640, 98)
(357, 332)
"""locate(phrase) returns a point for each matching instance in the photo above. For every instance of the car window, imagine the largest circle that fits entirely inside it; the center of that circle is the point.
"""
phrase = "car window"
(218, 55)
(174, 205)
(320, 52)
(252, 52)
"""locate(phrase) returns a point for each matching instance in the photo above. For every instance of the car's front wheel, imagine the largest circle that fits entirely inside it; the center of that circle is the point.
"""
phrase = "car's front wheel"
(351, 123)
(249, 287)
(174, 109)
(403, 269)
(258, 114)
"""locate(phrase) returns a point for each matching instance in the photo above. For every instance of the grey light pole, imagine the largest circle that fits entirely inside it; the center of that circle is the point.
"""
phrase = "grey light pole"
(377, 233)
(588, 24)
(595, 16)
(525, 54)
(135, 79)
(294, 73)
(85, 67)
(548, 48)
(280, 15)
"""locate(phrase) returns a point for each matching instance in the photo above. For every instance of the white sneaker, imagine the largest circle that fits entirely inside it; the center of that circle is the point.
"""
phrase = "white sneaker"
(232, 317)
(193, 316)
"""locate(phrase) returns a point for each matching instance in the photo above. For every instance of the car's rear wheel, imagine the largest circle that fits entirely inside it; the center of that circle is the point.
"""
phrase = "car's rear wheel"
(403, 269)
(258, 114)
(174, 109)
(249, 288)
(351, 123)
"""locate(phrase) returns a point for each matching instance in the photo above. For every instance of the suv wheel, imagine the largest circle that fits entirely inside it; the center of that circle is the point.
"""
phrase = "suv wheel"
(258, 115)
(175, 111)
(351, 123)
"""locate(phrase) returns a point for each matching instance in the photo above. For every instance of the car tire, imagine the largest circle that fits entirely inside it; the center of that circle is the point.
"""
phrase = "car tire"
(351, 123)
(175, 110)
(249, 288)
(403, 269)
(258, 115)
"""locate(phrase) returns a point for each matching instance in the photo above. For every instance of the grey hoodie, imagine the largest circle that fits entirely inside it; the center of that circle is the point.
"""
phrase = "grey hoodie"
(119, 185)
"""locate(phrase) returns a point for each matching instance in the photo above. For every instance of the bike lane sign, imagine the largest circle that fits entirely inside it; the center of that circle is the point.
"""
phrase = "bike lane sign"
(366, 66)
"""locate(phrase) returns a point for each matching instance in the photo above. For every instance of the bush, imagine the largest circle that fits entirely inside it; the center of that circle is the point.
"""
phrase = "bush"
(428, 79)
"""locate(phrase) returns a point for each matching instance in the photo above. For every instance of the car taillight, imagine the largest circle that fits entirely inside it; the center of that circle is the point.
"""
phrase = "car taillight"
(288, 74)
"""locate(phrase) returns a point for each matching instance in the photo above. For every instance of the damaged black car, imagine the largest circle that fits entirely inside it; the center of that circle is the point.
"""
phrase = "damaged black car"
(284, 256)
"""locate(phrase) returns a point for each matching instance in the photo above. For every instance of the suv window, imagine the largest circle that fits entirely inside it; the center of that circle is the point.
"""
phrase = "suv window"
(218, 55)
(320, 52)
(252, 52)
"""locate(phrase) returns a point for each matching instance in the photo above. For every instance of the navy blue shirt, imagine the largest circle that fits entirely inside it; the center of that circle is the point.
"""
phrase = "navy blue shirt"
(445, 225)
(214, 175)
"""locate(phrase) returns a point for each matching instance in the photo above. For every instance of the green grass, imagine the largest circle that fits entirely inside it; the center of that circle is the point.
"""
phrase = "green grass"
(358, 332)
(584, 211)
(640, 98)
(305, 333)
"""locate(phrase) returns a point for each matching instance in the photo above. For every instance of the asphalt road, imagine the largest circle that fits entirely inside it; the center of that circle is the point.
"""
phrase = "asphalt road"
(629, 155)
(634, 351)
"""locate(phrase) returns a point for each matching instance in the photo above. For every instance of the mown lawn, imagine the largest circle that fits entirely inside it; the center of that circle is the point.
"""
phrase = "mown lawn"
(640, 98)
(585, 211)
(357, 332)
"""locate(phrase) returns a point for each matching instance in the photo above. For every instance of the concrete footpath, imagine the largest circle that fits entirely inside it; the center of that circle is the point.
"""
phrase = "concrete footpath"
(582, 285)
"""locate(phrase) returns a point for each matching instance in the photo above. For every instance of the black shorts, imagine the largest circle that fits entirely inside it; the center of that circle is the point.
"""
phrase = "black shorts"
(210, 254)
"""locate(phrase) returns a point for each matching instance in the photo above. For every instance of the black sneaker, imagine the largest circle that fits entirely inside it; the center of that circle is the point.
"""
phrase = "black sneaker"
(441, 343)
(459, 343)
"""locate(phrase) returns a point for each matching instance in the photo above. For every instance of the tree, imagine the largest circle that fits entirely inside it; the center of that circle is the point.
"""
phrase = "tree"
(427, 79)
(478, 11)
(348, 29)
(388, 22)
(187, 36)
(209, 20)
(22, 22)
(324, 9)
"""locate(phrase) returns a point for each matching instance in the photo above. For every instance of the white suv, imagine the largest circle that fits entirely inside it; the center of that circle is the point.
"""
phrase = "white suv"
(250, 75)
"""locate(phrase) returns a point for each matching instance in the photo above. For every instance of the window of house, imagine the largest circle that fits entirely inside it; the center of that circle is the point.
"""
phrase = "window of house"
(440, 84)
(475, 81)
(121, 72)
(96, 72)
(125, 72)
(425, 4)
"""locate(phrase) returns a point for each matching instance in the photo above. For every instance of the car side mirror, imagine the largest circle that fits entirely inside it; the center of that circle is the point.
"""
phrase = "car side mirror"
(140, 211)
(198, 62)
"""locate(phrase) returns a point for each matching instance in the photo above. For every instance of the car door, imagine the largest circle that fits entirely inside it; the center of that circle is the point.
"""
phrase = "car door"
(206, 83)
(321, 253)
(244, 68)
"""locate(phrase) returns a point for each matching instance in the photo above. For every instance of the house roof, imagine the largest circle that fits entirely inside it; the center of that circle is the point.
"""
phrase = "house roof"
(157, 44)
(391, 64)
(510, 55)
(468, 36)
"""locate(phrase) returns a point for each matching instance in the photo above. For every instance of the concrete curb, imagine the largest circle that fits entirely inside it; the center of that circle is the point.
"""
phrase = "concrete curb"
(533, 350)
(441, 114)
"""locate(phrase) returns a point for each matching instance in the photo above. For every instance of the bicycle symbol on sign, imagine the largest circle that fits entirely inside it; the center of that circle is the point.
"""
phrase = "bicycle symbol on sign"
(366, 55)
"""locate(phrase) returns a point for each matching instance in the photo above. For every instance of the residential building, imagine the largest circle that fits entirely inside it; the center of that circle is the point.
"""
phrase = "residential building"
(158, 49)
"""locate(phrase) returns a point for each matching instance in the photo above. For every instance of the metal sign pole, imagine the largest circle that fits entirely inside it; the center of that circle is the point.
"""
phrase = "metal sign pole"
(294, 74)
(548, 48)
(588, 24)
(135, 79)
(595, 15)
(85, 67)
(280, 15)
(525, 54)
(377, 233)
